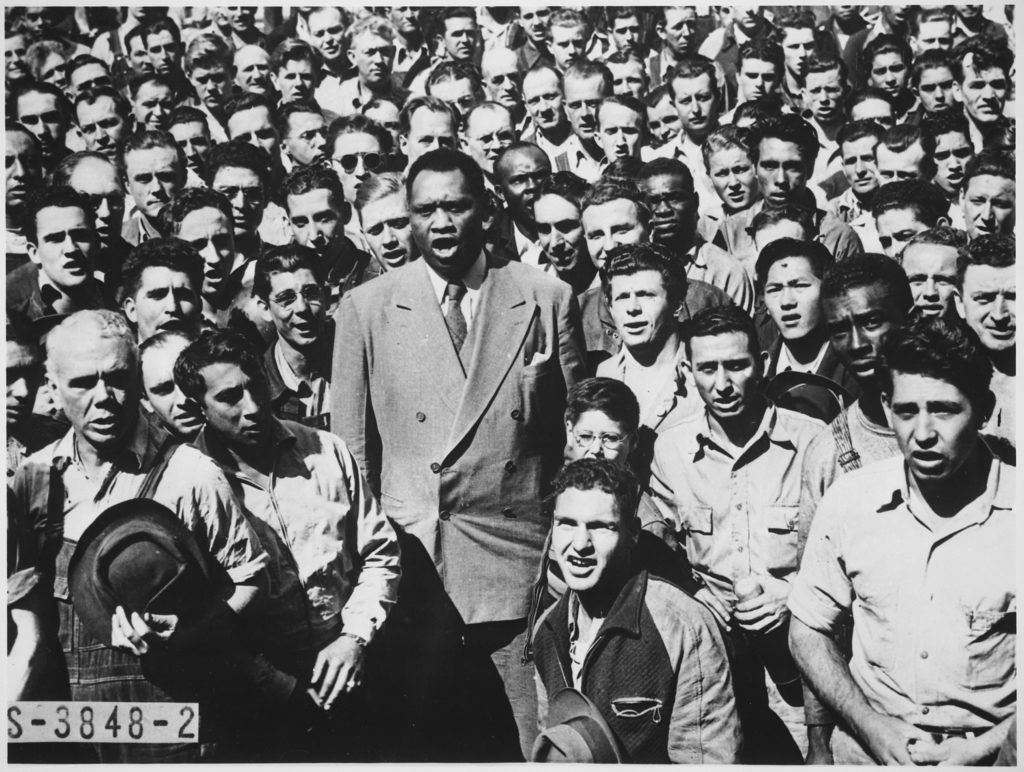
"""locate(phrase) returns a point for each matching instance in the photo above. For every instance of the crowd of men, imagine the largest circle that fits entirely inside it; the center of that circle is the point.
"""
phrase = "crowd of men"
(525, 383)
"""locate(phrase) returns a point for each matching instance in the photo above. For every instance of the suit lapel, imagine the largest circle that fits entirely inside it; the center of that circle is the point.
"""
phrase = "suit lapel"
(499, 325)
(424, 323)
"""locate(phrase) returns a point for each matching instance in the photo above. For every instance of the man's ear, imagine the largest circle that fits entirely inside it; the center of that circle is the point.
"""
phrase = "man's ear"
(273, 81)
(942, 221)
(351, 57)
(264, 309)
(403, 144)
(347, 213)
(988, 407)
(130, 311)
(33, 253)
(958, 303)
(886, 398)
(659, 29)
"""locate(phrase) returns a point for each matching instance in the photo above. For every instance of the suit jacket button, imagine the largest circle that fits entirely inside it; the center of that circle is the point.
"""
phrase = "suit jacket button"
(445, 514)
(435, 467)
(510, 466)
(508, 512)
(420, 417)
(516, 415)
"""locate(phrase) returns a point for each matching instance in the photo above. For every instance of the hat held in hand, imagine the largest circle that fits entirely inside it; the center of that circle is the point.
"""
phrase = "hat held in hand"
(139, 555)
(577, 733)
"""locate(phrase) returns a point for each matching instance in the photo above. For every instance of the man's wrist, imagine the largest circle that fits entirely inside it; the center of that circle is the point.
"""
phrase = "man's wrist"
(363, 643)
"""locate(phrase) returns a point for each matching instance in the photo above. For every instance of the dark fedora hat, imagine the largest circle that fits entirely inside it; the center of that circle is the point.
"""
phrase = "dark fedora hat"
(139, 555)
(576, 733)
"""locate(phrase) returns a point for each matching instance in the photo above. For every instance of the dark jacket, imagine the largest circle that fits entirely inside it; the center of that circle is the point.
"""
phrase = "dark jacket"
(657, 670)
(286, 403)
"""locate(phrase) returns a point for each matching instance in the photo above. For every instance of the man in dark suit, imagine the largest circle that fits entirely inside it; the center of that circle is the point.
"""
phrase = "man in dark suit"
(449, 382)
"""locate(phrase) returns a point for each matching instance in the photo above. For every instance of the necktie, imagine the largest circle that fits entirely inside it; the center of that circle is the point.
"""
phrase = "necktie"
(456, 321)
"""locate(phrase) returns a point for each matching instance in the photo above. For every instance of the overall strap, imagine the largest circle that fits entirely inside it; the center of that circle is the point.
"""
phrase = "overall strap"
(156, 472)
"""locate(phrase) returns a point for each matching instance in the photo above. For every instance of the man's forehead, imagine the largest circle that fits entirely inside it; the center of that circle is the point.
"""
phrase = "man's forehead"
(776, 147)
(662, 183)
(51, 218)
(236, 174)
(719, 347)
(155, 157)
(101, 105)
(689, 85)
(552, 207)
(486, 120)
(612, 112)
(432, 185)
(429, 117)
(204, 218)
(592, 85)
(614, 212)
(499, 60)
(318, 199)
(990, 183)
(523, 160)
(39, 99)
(249, 55)
(990, 277)
(932, 256)
(299, 277)
(154, 276)
(190, 130)
(258, 115)
(540, 79)
(972, 71)
(857, 300)
(92, 175)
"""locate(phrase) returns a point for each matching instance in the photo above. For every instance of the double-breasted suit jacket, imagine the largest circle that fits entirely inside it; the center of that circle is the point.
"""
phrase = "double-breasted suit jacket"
(461, 450)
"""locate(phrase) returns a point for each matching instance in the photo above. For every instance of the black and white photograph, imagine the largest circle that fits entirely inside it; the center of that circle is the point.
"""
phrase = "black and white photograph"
(511, 384)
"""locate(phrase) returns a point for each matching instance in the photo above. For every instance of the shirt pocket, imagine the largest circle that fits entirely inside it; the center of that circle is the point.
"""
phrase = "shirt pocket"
(781, 539)
(698, 526)
(638, 709)
(991, 640)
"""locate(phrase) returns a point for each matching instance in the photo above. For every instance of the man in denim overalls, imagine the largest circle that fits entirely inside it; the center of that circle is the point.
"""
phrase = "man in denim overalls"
(113, 453)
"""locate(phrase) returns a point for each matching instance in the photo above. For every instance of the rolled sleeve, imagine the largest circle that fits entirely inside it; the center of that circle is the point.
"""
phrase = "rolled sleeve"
(208, 506)
(822, 593)
(379, 556)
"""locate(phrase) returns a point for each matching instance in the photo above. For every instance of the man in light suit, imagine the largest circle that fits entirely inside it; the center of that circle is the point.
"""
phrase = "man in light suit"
(449, 383)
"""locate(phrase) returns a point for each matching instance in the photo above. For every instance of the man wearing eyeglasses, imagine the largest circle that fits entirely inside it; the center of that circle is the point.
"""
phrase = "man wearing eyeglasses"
(298, 365)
